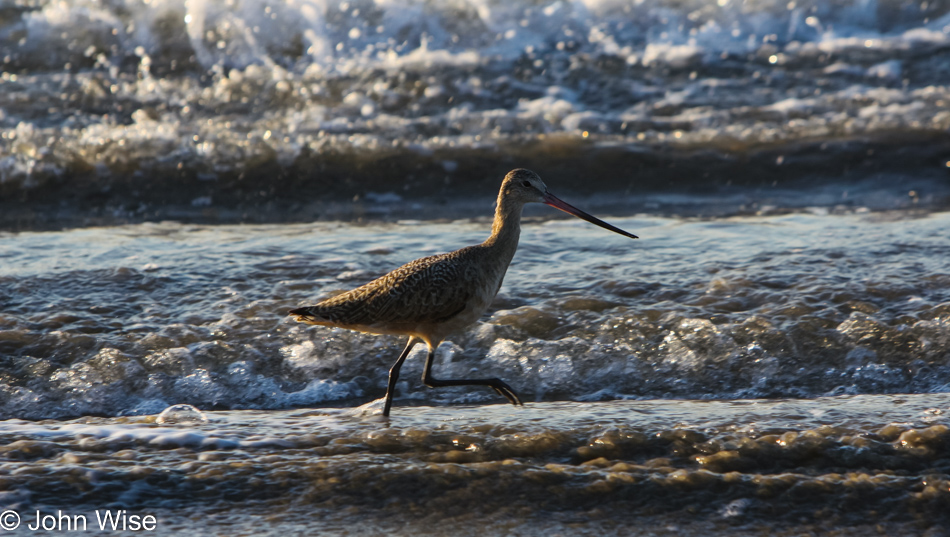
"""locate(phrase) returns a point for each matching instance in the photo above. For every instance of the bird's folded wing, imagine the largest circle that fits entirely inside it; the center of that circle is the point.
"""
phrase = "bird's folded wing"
(431, 289)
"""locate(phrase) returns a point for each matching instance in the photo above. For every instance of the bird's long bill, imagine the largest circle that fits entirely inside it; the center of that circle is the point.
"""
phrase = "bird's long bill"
(553, 201)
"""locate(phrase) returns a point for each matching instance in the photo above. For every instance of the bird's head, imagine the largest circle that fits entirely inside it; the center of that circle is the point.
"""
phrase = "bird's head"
(524, 186)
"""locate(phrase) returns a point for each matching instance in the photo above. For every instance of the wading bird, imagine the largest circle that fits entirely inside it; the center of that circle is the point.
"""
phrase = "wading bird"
(433, 297)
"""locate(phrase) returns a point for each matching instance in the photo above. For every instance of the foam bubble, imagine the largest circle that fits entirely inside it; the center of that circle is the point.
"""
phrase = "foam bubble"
(181, 415)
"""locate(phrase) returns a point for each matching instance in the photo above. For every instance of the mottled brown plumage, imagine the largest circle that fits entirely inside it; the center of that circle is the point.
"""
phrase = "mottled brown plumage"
(427, 290)
(430, 298)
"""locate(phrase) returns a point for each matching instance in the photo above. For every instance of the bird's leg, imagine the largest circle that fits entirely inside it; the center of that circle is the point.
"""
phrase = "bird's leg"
(394, 374)
(496, 384)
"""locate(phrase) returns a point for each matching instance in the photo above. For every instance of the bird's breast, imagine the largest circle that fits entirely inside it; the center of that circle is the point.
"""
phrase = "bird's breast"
(487, 284)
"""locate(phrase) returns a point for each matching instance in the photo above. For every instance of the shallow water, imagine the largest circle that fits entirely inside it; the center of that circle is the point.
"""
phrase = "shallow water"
(132, 319)
(123, 322)
(591, 329)
(849, 463)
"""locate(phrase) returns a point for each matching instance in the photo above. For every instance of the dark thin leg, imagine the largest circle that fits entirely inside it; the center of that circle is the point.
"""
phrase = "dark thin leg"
(394, 375)
(496, 384)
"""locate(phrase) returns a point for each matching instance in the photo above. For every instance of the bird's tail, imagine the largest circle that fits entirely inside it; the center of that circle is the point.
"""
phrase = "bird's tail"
(309, 315)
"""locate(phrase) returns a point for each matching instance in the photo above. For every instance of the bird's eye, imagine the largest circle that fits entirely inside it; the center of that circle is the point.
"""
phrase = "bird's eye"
(525, 183)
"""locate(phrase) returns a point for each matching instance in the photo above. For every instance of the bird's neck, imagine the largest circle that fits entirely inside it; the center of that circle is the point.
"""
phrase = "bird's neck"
(506, 228)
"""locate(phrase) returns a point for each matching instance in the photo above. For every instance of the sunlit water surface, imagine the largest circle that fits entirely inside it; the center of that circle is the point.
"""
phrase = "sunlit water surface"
(610, 341)
(851, 464)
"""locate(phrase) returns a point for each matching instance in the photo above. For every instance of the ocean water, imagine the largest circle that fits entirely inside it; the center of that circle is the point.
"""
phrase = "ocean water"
(130, 320)
(742, 467)
(265, 111)
(721, 376)
(772, 356)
